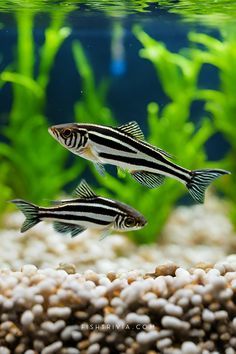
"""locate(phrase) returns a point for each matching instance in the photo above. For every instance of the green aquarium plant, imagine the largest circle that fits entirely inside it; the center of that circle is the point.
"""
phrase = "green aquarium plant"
(31, 170)
(220, 102)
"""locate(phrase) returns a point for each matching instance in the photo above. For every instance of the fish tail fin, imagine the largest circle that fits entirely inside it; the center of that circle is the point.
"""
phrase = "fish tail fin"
(200, 180)
(30, 211)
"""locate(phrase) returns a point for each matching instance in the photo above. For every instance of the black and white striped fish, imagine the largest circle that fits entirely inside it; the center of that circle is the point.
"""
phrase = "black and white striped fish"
(125, 148)
(88, 210)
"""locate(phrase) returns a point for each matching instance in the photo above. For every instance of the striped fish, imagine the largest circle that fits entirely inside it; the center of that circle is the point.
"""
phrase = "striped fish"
(88, 210)
(125, 148)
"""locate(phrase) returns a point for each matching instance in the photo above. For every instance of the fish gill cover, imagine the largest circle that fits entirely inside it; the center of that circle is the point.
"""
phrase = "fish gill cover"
(30, 170)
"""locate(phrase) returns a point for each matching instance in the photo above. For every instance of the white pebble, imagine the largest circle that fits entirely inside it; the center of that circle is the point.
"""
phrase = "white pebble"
(163, 343)
(29, 270)
(183, 273)
(8, 304)
(93, 349)
(146, 337)
(27, 318)
(53, 327)
(66, 334)
(164, 333)
(71, 350)
(4, 350)
(196, 299)
(173, 310)
(116, 301)
(100, 302)
(37, 309)
(174, 323)
(96, 318)
(62, 312)
(111, 319)
(208, 316)
(52, 348)
(226, 294)
(221, 315)
(76, 335)
(157, 304)
(229, 351)
(189, 348)
(234, 323)
(132, 317)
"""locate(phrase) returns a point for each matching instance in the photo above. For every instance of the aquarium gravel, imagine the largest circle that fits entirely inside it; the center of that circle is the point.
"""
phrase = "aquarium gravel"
(83, 295)
(172, 310)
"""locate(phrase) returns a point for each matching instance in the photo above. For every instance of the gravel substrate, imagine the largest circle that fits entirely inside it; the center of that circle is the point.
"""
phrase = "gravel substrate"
(170, 311)
(180, 300)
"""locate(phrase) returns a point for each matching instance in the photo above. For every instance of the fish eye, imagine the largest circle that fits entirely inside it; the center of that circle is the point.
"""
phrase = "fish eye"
(130, 222)
(66, 133)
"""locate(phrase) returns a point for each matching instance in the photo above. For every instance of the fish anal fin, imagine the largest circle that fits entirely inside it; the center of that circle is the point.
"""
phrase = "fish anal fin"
(132, 129)
(148, 179)
(84, 191)
(77, 230)
(64, 228)
(100, 168)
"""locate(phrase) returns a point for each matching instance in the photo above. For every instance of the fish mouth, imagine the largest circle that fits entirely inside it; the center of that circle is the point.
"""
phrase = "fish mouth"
(142, 223)
(52, 131)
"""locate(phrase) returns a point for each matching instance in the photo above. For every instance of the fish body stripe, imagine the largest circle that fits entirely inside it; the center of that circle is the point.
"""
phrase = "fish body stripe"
(98, 211)
(143, 163)
(112, 138)
(82, 208)
(76, 218)
(106, 133)
(114, 144)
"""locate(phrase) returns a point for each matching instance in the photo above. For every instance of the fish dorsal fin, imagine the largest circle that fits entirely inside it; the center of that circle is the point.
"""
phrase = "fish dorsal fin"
(132, 129)
(84, 191)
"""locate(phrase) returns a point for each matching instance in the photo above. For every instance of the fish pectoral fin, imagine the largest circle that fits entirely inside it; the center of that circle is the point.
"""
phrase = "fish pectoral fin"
(148, 179)
(84, 190)
(100, 168)
(104, 234)
(132, 129)
(89, 153)
(64, 228)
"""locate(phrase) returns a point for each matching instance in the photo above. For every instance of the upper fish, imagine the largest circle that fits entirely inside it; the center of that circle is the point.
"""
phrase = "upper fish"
(87, 210)
(125, 147)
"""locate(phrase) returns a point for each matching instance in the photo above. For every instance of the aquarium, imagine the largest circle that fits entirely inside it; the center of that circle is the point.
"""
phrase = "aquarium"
(117, 177)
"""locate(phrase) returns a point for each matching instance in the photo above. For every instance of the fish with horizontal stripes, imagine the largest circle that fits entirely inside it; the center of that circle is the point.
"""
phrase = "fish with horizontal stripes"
(87, 210)
(125, 147)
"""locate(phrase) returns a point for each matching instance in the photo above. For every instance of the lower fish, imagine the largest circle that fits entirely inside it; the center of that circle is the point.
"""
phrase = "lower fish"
(126, 148)
(87, 210)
